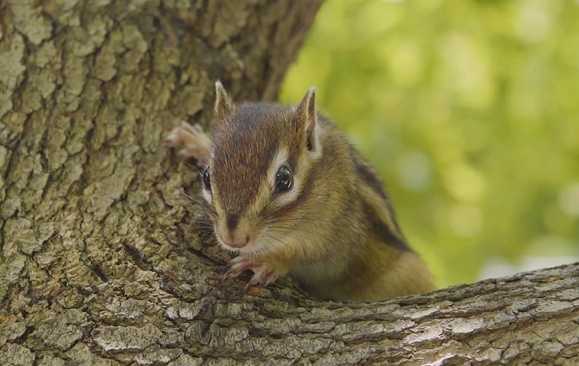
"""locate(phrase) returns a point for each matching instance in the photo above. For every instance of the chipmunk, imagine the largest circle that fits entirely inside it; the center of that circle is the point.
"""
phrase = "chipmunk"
(286, 191)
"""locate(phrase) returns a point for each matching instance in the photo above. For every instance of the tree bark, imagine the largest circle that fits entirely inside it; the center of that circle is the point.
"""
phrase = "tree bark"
(103, 262)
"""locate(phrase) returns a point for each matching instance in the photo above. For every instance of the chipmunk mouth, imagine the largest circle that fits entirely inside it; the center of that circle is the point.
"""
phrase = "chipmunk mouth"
(254, 246)
(250, 242)
(240, 245)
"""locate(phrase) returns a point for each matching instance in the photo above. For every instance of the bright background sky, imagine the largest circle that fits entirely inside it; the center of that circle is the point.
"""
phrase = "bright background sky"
(470, 112)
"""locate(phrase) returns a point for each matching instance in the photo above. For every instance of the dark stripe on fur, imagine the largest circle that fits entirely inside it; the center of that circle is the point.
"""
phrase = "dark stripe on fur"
(382, 231)
(232, 221)
(367, 173)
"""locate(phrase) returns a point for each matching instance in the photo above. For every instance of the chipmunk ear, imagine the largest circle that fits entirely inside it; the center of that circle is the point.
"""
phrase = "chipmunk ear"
(223, 102)
(307, 118)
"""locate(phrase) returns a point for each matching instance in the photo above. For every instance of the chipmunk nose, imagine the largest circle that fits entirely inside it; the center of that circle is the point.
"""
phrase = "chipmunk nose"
(235, 238)
(236, 242)
(237, 235)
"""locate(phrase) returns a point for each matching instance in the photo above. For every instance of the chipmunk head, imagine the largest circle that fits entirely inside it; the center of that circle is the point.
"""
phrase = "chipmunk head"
(259, 161)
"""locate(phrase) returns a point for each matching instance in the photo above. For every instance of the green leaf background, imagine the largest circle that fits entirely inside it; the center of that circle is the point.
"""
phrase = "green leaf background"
(469, 110)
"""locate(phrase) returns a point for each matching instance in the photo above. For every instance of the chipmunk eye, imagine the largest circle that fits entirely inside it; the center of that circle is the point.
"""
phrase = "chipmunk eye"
(207, 180)
(283, 180)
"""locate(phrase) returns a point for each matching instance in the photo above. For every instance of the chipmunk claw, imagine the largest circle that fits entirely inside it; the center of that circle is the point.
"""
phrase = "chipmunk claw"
(232, 272)
(263, 274)
(195, 142)
(239, 265)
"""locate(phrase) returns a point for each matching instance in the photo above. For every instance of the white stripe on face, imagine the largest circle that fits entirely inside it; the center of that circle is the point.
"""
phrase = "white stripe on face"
(251, 218)
(284, 198)
(206, 195)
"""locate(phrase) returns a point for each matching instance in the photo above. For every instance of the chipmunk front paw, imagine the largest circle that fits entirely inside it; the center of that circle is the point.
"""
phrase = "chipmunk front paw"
(195, 142)
(263, 273)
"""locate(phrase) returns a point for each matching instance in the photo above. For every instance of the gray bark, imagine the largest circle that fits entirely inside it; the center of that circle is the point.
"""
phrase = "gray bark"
(104, 262)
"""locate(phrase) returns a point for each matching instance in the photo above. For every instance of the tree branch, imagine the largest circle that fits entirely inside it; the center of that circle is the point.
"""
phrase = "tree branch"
(104, 261)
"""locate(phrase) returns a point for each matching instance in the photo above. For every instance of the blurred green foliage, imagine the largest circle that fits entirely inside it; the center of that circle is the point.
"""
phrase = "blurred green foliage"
(469, 110)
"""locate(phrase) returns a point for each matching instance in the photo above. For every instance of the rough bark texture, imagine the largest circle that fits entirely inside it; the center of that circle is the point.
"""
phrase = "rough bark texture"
(102, 261)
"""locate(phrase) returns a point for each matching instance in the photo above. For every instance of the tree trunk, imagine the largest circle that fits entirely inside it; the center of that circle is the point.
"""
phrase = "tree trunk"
(102, 260)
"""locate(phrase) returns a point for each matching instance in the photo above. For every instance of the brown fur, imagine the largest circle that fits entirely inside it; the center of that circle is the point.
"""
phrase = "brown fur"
(338, 238)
